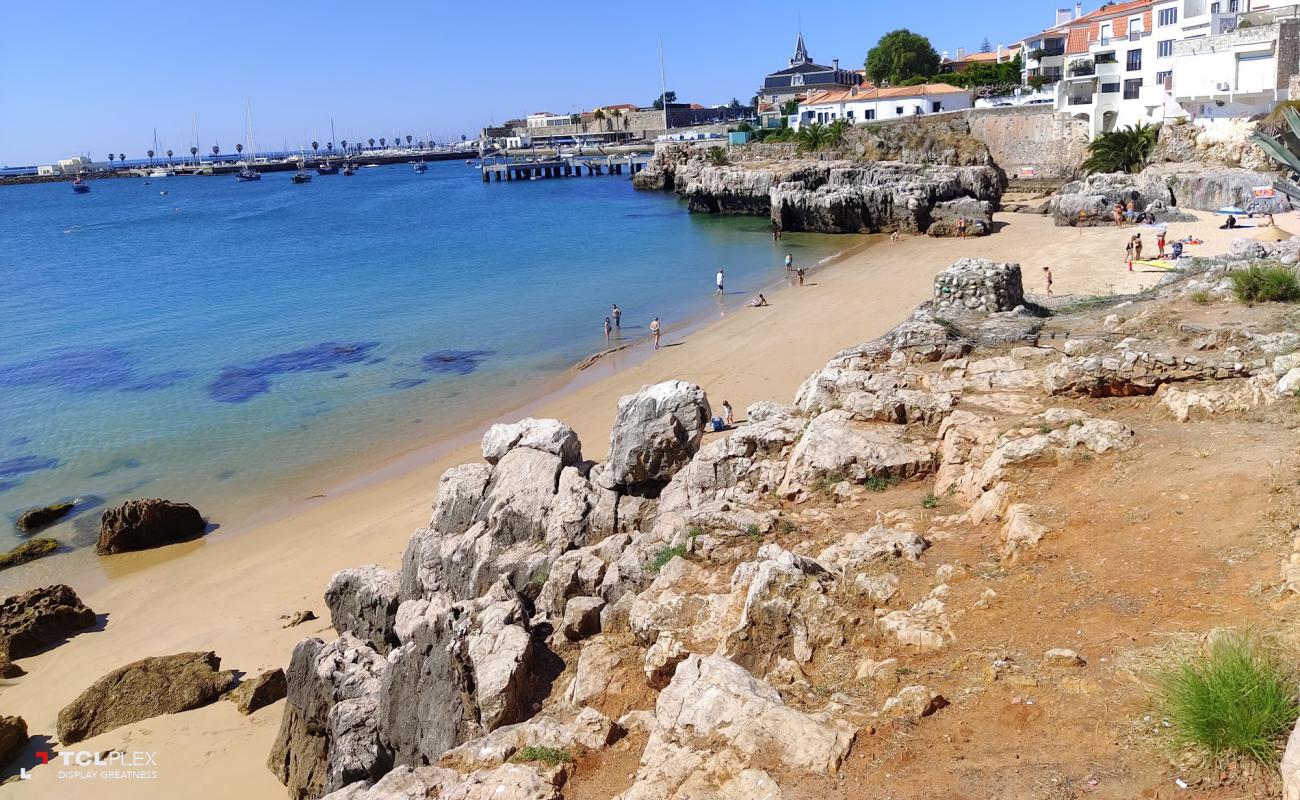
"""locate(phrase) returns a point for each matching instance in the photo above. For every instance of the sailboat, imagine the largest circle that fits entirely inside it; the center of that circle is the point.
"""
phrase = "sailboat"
(327, 168)
(246, 172)
(159, 172)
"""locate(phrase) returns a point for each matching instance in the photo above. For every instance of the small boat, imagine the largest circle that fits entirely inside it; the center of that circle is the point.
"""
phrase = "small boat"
(79, 186)
(348, 169)
(247, 173)
(368, 166)
(161, 173)
(420, 166)
(302, 176)
(327, 169)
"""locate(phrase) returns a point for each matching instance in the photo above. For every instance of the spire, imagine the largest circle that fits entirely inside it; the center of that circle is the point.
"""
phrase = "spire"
(800, 53)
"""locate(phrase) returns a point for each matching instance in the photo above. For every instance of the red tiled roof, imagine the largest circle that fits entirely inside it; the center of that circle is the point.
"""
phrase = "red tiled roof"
(859, 93)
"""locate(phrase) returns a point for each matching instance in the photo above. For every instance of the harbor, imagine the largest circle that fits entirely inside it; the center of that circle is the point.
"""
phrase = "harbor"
(565, 167)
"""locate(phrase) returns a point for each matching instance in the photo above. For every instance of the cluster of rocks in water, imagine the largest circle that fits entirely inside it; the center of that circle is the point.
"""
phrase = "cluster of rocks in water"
(538, 563)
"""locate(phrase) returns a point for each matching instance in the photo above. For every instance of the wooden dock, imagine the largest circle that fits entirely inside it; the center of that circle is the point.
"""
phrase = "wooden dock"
(572, 167)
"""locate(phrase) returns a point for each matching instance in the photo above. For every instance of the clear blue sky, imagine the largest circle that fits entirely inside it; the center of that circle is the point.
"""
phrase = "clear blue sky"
(79, 76)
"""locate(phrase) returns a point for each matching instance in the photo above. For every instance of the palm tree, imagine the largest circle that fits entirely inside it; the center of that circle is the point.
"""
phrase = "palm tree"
(1126, 150)
(169, 158)
(409, 137)
(381, 142)
(150, 154)
(344, 145)
(111, 156)
(239, 148)
(599, 115)
(216, 150)
(194, 153)
(329, 146)
(121, 157)
(315, 148)
(372, 143)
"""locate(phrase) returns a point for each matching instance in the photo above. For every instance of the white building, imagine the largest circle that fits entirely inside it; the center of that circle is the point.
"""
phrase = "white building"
(868, 103)
(543, 119)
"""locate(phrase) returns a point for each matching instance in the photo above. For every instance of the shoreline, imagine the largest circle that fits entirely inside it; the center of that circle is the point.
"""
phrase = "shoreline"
(226, 592)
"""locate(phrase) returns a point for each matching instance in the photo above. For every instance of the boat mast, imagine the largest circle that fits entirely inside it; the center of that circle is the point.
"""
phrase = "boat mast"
(251, 149)
(663, 85)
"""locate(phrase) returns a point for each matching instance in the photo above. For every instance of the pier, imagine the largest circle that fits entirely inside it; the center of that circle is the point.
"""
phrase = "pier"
(571, 167)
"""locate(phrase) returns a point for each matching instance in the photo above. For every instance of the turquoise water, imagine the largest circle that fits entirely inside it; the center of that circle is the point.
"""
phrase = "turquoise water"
(208, 344)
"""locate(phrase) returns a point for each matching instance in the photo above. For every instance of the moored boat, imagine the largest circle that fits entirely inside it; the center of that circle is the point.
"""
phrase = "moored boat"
(348, 169)
(420, 166)
(247, 173)
(79, 186)
(327, 169)
(302, 176)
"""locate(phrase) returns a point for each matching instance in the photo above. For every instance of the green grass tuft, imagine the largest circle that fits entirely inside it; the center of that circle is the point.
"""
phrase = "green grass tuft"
(1265, 284)
(665, 555)
(788, 527)
(879, 483)
(930, 501)
(1201, 297)
(550, 756)
(1234, 700)
(753, 531)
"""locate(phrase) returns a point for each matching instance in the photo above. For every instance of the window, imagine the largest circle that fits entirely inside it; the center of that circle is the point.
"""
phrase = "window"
(1105, 33)
(1134, 25)
(936, 106)
(898, 111)
(1106, 58)
(870, 113)
(1165, 49)
(1214, 8)
(1110, 88)
(1134, 60)
(1164, 78)
(1132, 87)
(1232, 6)
(848, 114)
(1168, 16)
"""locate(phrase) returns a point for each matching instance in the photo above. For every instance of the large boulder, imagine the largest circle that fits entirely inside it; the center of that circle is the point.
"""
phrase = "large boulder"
(363, 601)
(263, 690)
(656, 432)
(33, 519)
(945, 216)
(13, 738)
(329, 734)
(141, 524)
(547, 435)
(36, 619)
(144, 689)
(836, 447)
(1091, 201)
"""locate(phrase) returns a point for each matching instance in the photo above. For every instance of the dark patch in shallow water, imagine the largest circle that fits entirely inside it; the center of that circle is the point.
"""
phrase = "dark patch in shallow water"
(454, 362)
(407, 383)
(7, 485)
(239, 384)
(224, 475)
(125, 462)
(339, 376)
(19, 441)
(21, 465)
(375, 360)
(163, 380)
(88, 369)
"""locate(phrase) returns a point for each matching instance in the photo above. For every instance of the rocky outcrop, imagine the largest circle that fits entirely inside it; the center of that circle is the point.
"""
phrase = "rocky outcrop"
(144, 689)
(141, 524)
(1222, 143)
(329, 734)
(656, 432)
(1091, 201)
(263, 690)
(31, 621)
(547, 435)
(29, 550)
(945, 217)
(1207, 188)
(836, 446)
(13, 738)
(33, 519)
(363, 601)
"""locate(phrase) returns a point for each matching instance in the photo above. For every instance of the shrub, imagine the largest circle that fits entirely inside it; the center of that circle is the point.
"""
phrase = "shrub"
(1234, 700)
(826, 483)
(694, 532)
(717, 156)
(879, 483)
(788, 527)
(1201, 297)
(1265, 284)
(665, 555)
(1125, 150)
(550, 756)
(930, 501)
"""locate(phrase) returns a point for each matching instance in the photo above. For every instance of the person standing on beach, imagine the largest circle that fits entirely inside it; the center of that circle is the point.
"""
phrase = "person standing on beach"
(1047, 278)
(654, 331)
(728, 415)
(961, 227)
(720, 277)
(608, 330)
(789, 262)
(1160, 242)
(1137, 247)
(617, 314)
(799, 272)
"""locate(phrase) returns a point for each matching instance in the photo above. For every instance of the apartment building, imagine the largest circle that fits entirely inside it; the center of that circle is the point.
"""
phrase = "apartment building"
(870, 104)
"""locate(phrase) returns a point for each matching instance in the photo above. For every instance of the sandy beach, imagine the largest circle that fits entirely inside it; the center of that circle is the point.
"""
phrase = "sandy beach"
(227, 593)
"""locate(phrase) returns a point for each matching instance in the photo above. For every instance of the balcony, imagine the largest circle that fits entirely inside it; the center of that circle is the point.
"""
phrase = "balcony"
(1082, 69)
(1080, 100)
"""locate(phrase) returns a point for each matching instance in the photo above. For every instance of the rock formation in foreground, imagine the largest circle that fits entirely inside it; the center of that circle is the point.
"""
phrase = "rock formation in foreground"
(141, 524)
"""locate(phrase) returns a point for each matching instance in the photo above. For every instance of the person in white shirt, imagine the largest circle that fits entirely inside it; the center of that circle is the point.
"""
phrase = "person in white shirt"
(719, 279)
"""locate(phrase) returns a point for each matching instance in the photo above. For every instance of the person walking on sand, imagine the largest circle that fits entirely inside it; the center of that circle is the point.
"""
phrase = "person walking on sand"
(1160, 242)
(789, 262)
(1047, 279)
(728, 415)
(617, 314)
(1137, 247)
(799, 273)
(608, 330)
(654, 331)
(719, 279)
(961, 227)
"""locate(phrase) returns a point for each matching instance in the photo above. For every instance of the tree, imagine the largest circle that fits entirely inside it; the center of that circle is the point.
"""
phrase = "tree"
(122, 157)
(216, 150)
(344, 144)
(985, 47)
(150, 154)
(169, 157)
(111, 156)
(1126, 150)
(789, 108)
(315, 147)
(372, 144)
(409, 137)
(382, 140)
(600, 116)
(735, 103)
(239, 148)
(900, 55)
(194, 153)
(670, 97)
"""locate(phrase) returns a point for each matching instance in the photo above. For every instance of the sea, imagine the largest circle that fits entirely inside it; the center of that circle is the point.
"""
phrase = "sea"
(213, 342)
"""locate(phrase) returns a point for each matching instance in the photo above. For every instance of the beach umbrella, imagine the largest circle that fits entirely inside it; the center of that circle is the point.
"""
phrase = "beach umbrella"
(1230, 210)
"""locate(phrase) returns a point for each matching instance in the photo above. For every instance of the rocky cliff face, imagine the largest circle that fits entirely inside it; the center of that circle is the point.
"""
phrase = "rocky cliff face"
(841, 196)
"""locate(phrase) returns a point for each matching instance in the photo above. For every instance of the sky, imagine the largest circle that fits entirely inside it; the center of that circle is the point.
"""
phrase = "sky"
(82, 77)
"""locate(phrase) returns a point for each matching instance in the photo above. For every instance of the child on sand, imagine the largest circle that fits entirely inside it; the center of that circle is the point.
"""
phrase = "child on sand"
(1047, 278)
(799, 272)
(608, 330)
(728, 416)
(654, 331)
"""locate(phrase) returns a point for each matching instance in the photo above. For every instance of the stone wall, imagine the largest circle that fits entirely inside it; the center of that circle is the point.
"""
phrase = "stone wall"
(978, 284)
(1031, 138)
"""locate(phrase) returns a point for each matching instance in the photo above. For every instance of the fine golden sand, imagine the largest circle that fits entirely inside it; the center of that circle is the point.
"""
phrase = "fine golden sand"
(227, 593)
